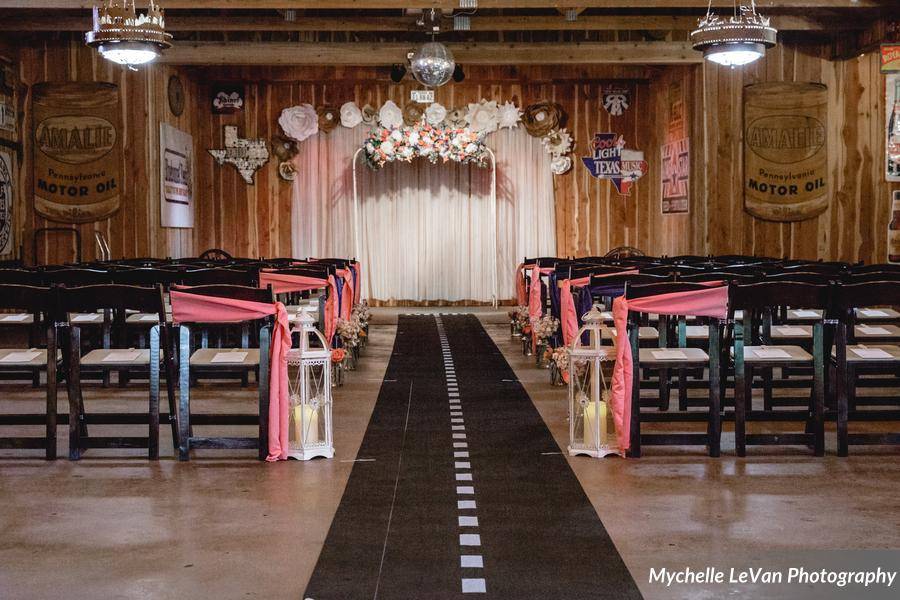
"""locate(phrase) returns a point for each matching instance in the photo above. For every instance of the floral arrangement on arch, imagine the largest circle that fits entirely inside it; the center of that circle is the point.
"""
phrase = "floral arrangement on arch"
(436, 144)
(455, 134)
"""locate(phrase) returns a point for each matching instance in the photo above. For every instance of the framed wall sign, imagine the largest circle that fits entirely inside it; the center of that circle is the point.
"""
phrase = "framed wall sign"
(176, 177)
(227, 99)
(7, 189)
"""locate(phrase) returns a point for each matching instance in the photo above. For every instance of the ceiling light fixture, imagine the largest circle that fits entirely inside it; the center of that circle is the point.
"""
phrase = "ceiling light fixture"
(126, 38)
(736, 40)
(432, 64)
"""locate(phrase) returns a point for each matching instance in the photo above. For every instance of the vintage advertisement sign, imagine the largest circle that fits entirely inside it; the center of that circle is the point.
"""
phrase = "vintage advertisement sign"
(616, 99)
(176, 177)
(785, 150)
(890, 58)
(892, 118)
(676, 169)
(7, 101)
(6, 202)
(611, 160)
(77, 145)
(227, 99)
(893, 252)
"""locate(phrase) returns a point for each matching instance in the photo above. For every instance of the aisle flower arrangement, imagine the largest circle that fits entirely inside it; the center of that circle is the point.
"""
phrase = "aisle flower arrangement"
(422, 140)
(559, 365)
(362, 313)
(350, 332)
(543, 329)
(337, 372)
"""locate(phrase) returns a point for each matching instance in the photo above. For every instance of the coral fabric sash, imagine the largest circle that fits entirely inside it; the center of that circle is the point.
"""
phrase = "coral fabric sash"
(197, 308)
(332, 312)
(282, 283)
(521, 293)
(347, 294)
(700, 303)
(568, 315)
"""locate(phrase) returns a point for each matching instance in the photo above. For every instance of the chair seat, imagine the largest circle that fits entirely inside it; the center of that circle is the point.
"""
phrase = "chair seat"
(116, 358)
(696, 332)
(871, 353)
(876, 314)
(644, 333)
(775, 354)
(876, 332)
(672, 356)
(17, 319)
(147, 319)
(791, 332)
(82, 319)
(804, 314)
(25, 357)
(218, 358)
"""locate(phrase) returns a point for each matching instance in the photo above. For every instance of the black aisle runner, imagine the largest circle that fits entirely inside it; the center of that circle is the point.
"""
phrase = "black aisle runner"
(460, 490)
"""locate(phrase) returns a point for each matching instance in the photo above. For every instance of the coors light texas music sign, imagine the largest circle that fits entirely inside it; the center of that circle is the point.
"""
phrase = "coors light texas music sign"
(77, 151)
(610, 159)
(785, 150)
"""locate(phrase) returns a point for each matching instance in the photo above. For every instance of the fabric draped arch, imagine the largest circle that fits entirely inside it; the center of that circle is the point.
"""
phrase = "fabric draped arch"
(425, 230)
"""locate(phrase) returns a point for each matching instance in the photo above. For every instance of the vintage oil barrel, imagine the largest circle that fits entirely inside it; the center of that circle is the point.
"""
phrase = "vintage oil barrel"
(786, 150)
(77, 150)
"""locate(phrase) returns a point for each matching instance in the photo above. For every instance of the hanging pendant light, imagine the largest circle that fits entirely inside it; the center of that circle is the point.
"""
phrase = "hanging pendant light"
(126, 38)
(736, 40)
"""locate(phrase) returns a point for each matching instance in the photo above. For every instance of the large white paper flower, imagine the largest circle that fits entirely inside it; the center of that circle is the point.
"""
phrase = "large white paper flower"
(390, 115)
(558, 142)
(508, 115)
(369, 114)
(351, 116)
(560, 164)
(299, 122)
(435, 113)
(482, 116)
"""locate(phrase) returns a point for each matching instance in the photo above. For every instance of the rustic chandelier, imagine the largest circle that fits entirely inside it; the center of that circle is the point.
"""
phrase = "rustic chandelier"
(126, 38)
(736, 40)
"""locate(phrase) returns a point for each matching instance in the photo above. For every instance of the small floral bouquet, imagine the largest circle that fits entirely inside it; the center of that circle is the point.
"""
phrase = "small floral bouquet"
(544, 328)
(338, 355)
(522, 317)
(362, 313)
(559, 359)
(349, 331)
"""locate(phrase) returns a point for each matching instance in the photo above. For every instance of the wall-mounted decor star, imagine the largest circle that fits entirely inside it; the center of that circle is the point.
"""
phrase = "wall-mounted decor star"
(247, 155)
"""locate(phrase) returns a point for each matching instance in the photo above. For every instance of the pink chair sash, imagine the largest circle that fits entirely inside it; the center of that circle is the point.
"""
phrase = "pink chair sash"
(332, 310)
(356, 292)
(568, 316)
(346, 292)
(699, 303)
(535, 310)
(521, 294)
(282, 283)
(197, 308)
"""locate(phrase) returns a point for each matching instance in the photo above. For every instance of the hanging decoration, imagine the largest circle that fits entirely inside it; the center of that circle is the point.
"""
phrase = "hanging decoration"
(403, 128)
(176, 179)
(611, 160)
(432, 64)
(247, 155)
(616, 99)
(227, 99)
(890, 58)
(675, 165)
(892, 139)
(126, 38)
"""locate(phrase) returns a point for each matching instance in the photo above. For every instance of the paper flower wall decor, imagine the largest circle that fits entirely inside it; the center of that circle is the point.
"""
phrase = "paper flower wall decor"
(390, 115)
(284, 147)
(328, 118)
(508, 115)
(369, 114)
(412, 113)
(287, 170)
(541, 118)
(456, 118)
(299, 122)
(557, 142)
(560, 164)
(351, 116)
(482, 116)
(435, 113)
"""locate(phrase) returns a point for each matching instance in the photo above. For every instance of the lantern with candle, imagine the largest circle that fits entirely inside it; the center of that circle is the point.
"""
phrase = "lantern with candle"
(591, 428)
(309, 366)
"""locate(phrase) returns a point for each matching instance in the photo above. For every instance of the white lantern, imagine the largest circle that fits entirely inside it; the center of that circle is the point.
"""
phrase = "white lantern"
(591, 428)
(310, 385)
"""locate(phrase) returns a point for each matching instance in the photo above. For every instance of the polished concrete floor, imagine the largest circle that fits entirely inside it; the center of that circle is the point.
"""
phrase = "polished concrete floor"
(225, 526)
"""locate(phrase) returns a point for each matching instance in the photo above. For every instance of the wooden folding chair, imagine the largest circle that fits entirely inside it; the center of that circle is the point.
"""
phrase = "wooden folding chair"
(117, 299)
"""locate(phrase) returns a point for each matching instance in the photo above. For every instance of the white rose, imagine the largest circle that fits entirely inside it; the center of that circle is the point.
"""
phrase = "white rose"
(387, 147)
(471, 148)
(299, 122)
(482, 117)
(390, 115)
(396, 135)
(435, 113)
(351, 116)
(508, 115)
(413, 137)
(560, 165)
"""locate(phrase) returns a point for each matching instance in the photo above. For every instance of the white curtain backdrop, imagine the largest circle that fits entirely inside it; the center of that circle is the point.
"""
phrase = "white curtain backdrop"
(425, 230)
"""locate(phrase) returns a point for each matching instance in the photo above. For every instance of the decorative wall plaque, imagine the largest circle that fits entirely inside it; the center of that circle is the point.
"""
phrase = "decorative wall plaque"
(246, 155)
(227, 99)
(176, 177)
(176, 95)
(785, 150)
(77, 149)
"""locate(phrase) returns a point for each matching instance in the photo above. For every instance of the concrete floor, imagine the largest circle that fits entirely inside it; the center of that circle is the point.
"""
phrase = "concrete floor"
(115, 526)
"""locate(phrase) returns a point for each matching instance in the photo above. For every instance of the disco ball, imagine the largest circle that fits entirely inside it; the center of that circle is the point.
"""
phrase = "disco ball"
(432, 64)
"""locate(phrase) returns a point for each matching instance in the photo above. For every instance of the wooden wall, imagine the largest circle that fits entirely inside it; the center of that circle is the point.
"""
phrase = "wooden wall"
(255, 220)
(134, 231)
(591, 217)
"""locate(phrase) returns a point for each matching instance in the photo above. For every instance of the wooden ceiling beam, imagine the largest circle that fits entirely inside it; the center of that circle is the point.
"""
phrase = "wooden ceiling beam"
(187, 23)
(365, 54)
(448, 4)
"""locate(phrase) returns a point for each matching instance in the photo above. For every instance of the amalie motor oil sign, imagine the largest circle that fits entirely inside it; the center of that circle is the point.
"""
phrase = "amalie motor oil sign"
(77, 145)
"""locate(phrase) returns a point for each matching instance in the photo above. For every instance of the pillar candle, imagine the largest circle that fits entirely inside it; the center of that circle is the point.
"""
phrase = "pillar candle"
(305, 417)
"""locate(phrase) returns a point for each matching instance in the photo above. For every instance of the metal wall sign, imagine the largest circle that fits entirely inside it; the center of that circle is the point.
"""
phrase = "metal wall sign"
(422, 96)
(247, 155)
(77, 151)
(785, 150)
(892, 118)
(610, 159)
(7, 189)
